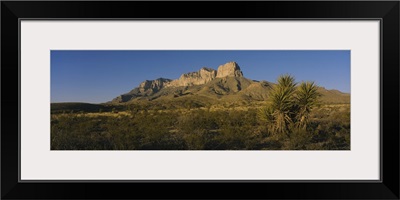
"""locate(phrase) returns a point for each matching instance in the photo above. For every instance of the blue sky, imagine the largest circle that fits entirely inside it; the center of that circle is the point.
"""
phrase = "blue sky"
(99, 76)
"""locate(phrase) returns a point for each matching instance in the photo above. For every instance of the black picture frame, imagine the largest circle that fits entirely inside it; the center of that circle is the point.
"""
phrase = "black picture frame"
(386, 11)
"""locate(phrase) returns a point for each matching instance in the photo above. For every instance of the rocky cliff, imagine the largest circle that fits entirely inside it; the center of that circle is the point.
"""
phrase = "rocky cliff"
(230, 69)
(153, 85)
(146, 88)
(203, 76)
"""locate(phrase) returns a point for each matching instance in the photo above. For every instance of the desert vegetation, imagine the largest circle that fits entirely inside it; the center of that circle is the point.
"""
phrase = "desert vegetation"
(292, 118)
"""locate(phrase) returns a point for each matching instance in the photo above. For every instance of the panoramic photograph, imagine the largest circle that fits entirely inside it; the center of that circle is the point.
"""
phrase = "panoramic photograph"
(200, 99)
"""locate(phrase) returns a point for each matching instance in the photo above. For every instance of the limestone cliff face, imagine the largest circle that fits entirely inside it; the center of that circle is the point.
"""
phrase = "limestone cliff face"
(146, 88)
(230, 69)
(153, 85)
(203, 76)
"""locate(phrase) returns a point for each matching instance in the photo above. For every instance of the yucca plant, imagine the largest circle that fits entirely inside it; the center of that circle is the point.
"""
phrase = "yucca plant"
(289, 105)
(281, 105)
(306, 99)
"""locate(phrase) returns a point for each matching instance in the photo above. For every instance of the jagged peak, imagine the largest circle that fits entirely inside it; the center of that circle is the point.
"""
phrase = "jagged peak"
(198, 73)
(232, 63)
(207, 69)
(189, 74)
(202, 76)
(153, 84)
(229, 69)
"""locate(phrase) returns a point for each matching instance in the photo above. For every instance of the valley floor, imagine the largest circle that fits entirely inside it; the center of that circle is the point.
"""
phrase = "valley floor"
(217, 127)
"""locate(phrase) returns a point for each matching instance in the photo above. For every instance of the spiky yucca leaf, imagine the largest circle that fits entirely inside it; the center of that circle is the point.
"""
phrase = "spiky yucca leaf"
(281, 104)
(286, 81)
(306, 98)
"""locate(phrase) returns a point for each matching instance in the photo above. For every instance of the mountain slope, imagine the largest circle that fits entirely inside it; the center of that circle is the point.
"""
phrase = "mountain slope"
(227, 83)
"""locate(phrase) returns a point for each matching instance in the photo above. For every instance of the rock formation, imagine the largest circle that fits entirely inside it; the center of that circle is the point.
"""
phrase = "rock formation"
(230, 69)
(224, 77)
(227, 83)
(203, 76)
(153, 85)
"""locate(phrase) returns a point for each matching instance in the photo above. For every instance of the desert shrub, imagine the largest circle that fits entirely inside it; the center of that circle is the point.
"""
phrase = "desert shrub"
(298, 140)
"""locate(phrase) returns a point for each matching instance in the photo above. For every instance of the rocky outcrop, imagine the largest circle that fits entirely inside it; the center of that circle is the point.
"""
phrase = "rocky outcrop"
(146, 88)
(226, 74)
(203, 76)
(230, 69)
(153, 85)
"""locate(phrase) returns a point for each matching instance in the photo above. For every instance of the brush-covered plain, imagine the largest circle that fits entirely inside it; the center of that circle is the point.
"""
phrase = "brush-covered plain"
(292, 118)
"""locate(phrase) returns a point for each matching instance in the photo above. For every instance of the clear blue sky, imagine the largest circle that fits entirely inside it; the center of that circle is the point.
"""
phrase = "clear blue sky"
(99, 76)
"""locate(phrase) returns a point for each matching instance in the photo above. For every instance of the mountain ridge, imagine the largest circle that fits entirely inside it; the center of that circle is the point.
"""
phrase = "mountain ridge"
(227, 82)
